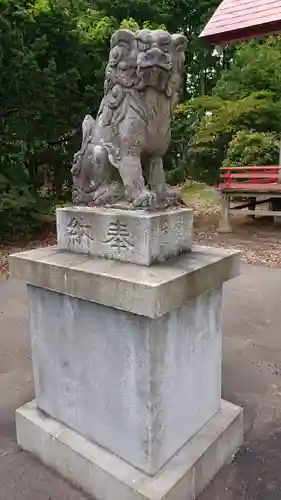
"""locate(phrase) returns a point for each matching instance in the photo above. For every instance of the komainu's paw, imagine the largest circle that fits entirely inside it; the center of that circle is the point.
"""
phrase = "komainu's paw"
(171, 198)
(108, 194)
(144, 199)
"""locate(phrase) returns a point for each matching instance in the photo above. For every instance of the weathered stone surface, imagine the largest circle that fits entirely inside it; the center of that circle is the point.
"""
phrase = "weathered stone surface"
(121, 152)
(138, 237)
(129, 357)
(150, 292)
(106, 477)
(139, 387)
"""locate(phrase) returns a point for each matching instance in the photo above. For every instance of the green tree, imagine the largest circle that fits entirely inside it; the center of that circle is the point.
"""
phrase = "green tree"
(203, 63)
(244, 112)
(256, 67)
(51, 74)
(253, 148)
(255, 114)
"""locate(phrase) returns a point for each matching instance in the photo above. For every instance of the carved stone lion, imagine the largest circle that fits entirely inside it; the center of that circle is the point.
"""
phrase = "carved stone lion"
(121, 153)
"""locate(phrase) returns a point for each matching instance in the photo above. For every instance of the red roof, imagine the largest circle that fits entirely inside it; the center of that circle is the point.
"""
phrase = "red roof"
(237, 20)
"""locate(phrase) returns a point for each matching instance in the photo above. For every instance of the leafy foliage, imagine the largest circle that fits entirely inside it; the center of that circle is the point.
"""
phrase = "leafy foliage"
(253, 148)
(203, 64)
(51, 75)
(23, 213)
(182, 159)
(256, 67)
(241, 122)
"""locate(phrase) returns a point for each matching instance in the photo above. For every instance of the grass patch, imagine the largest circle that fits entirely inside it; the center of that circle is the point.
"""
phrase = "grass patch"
(197, 193)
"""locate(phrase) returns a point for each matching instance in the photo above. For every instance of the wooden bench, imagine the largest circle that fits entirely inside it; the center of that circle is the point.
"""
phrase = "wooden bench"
(256, 185)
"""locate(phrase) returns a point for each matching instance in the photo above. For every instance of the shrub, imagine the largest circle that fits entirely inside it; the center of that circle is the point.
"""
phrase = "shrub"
(253, 148)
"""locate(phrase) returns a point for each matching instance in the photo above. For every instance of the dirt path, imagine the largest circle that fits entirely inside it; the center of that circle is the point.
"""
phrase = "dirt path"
(44, 239)
(258, 240)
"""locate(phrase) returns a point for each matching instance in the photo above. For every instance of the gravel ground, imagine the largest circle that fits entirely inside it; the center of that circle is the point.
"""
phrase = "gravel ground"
(7, 248)
(258, 240)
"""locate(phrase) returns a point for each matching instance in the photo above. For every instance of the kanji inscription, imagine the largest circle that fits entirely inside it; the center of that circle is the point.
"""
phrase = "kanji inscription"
(76, 230)
(118, 236)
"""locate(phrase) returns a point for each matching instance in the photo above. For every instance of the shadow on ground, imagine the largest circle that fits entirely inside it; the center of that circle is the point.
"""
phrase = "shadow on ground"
(251, 378)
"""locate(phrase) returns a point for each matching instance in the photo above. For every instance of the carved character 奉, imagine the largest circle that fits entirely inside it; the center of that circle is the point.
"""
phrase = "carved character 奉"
(121, 153)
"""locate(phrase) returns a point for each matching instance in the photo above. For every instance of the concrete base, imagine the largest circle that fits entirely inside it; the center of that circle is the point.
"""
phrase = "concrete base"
(106, 477)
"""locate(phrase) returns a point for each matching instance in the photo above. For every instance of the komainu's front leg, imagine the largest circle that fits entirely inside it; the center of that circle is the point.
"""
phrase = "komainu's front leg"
(166, 196)
(131, 173)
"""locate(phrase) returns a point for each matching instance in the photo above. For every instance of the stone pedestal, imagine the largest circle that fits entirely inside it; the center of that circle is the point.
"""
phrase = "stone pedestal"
(137, 236)
(127, 359)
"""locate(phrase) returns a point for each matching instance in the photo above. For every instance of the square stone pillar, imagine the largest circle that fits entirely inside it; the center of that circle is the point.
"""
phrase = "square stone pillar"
(127, 357)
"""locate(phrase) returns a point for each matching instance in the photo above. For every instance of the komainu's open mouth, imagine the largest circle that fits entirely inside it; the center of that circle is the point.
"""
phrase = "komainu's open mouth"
(155, 57)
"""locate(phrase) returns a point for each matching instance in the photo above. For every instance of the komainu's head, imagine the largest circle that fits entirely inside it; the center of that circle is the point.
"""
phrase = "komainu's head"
(147, 58)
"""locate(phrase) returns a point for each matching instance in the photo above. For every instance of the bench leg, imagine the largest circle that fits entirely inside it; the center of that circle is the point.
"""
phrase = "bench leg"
(276, 206)
(224, 225)
(252, 206)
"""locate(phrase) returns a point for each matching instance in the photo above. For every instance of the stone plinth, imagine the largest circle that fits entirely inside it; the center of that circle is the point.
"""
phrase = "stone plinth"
(138, 237)
(107, 477)
(129, 358)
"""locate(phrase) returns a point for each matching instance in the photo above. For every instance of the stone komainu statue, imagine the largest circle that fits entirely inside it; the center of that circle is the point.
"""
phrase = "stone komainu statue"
(121, 153)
